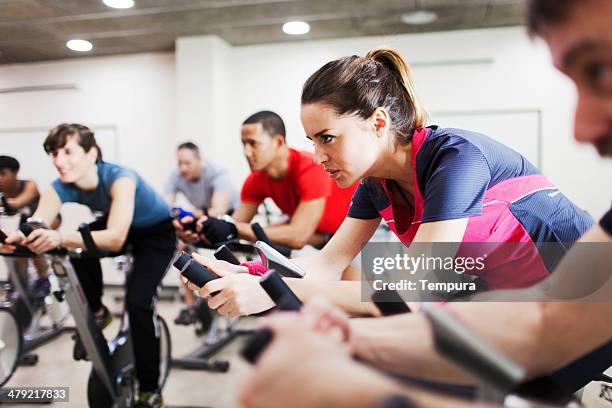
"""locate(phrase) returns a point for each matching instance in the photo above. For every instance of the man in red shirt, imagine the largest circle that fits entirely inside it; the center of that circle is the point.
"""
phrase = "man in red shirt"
(297, 185)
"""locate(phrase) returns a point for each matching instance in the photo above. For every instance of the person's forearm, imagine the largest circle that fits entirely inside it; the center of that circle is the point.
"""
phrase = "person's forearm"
(540, 336)
(344, 294)
(285, 234)
(426, 399)
(321, 267)
(220, 204)
(360, 388)
(72, 240)
(289, 235)
(105, 239)
(245, 231)
(19, 201)
(402, 344)
(217, 211)
(26, 196)
(363, 387)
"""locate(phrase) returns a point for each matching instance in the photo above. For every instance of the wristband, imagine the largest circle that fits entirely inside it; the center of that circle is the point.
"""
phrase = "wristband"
(256, 268)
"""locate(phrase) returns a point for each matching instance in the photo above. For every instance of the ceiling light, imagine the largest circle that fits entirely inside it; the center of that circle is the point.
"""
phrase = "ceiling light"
(79, 45)
(419, 17)
(296, 27)
(119, 4)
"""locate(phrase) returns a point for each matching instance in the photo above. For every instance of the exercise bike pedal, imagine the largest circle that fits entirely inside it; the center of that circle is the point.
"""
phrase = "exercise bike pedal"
(28, 360)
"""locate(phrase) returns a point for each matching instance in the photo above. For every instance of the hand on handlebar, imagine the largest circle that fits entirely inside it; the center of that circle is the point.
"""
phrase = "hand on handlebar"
(9, 244)
(185, 234)
(281, 369)
(216, 230)
(235, 293)
(211, 230)
(42, 240)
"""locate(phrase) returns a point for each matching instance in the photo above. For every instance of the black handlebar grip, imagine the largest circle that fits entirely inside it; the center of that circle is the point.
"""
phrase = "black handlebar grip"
(27, 228)
(30, 226)
(261, 235)
(476, 356)
(90, 244)
(396, 401)
(256, 345)
(389, 302)
(224, 254)
(197, 274)
(190, 226)
(262, 338)
(285, 300)
(278, 290)
(181, 260)
(8, 209)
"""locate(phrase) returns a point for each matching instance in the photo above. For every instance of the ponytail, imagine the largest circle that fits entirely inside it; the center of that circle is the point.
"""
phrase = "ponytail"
(359, 85)
(394, 62)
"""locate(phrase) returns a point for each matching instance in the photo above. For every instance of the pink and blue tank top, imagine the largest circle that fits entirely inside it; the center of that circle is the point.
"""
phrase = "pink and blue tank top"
(463, 174)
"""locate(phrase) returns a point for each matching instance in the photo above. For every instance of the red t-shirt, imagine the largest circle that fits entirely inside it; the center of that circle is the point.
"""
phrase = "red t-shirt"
(305, 180)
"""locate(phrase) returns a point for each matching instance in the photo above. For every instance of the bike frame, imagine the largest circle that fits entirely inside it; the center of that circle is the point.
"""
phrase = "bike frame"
(109, 367)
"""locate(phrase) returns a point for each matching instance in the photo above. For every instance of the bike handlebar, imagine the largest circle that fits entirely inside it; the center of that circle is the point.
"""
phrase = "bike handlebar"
(261, 235)
(91, 249)
(8, 209)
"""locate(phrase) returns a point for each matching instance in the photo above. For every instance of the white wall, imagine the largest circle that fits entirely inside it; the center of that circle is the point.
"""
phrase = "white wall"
(215, 86)
(134, 94)
(519, 77)
(202, 91)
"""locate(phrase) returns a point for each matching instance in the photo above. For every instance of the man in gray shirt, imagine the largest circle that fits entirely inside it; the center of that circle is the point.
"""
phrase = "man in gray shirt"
(207, 186)
(209, 189)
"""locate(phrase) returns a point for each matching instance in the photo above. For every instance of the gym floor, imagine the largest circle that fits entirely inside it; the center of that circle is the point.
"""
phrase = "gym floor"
(185, 388)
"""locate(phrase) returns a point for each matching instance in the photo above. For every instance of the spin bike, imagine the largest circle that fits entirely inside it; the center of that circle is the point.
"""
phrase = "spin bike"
(112, 380)
(222, 331)
(22, 317)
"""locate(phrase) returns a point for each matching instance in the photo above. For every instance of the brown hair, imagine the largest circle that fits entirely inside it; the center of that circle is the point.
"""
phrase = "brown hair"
(58, 136)
(545, 13)
(359, 85)
(271, 122)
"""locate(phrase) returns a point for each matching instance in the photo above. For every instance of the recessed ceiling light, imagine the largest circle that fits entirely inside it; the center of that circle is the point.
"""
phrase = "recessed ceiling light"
(419, 17)
(119, 4)
(79, 45)
(296, 27)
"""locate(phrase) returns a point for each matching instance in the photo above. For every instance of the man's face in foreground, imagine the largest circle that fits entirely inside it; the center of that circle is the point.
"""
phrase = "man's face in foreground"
(581, 47)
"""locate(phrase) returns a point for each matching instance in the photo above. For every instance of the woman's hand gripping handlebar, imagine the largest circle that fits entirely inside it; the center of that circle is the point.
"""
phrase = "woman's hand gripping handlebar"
(31, 239)
(34, 238)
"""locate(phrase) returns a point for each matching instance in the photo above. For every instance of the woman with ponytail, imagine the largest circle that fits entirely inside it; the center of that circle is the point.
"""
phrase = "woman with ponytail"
(429, 184)
(432, 184)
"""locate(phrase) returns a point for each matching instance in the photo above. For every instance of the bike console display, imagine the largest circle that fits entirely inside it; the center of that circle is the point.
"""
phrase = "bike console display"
(272, 259)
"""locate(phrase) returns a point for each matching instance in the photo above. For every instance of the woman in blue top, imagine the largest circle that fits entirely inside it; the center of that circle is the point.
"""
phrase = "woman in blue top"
(131, 214)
